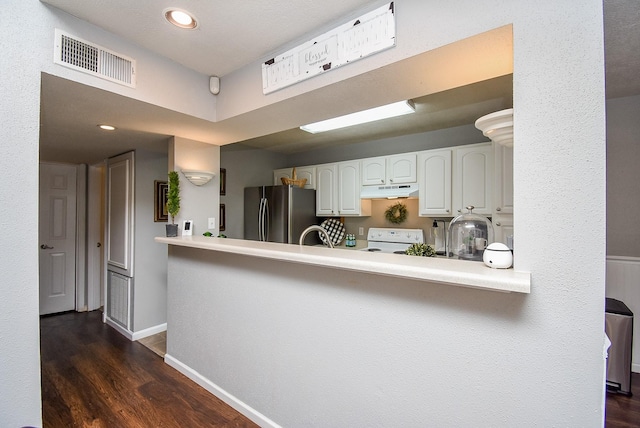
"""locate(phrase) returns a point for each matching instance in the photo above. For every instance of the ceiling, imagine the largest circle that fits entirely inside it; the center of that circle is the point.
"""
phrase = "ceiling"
(68, 123)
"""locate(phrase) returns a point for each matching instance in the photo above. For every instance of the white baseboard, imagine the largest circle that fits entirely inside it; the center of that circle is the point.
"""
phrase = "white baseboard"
(214, 389)
(123, 331)
(149, 331)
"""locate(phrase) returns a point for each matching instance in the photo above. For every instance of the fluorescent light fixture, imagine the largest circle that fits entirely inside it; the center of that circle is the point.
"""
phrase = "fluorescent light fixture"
(107, 127)
(383, 112)
(180, 18)
(198, 178)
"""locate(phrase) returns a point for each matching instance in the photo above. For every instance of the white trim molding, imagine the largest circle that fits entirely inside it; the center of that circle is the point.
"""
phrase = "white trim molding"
(214, 389)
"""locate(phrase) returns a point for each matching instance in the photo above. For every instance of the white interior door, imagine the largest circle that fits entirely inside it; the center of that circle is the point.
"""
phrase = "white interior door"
(57, 234)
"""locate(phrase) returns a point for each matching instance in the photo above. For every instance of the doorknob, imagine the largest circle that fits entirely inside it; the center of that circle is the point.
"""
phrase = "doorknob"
(46, 247)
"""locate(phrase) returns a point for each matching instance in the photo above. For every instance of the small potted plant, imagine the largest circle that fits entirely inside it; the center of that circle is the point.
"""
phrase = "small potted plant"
(173, 202)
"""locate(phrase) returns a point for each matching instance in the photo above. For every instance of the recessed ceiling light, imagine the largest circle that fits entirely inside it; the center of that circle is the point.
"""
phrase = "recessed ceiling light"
(180, 18)
(107, 127)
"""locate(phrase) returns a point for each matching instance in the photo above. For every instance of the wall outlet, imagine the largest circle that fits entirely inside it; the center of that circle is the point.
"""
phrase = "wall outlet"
(361, 231)
(211, 223)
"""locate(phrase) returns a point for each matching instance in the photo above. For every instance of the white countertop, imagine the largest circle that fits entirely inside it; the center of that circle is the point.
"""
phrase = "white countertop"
(430, 269)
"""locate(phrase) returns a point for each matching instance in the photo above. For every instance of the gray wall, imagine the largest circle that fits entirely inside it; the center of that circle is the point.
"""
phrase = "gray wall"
(623, 176)
(150, 278)
(246, 167)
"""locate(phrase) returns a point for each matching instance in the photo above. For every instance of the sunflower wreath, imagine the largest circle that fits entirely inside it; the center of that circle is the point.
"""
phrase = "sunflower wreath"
(396, 213)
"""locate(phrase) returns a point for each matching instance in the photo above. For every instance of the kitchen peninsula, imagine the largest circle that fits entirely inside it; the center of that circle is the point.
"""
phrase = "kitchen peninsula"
(281, 331)
(438, 270)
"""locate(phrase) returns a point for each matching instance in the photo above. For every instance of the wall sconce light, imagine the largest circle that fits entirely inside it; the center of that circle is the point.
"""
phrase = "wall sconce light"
(198, 178)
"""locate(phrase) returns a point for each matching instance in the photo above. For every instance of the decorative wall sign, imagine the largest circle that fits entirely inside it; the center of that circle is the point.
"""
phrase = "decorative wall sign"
(356, 39)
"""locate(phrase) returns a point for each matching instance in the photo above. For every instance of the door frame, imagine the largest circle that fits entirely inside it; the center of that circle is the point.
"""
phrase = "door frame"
(96, 271)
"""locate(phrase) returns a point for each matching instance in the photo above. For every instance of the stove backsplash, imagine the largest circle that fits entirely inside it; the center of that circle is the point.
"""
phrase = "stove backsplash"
(413, 221)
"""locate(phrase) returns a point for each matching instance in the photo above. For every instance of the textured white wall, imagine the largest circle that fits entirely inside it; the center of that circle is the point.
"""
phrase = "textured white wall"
(484, 359)
(19, 330)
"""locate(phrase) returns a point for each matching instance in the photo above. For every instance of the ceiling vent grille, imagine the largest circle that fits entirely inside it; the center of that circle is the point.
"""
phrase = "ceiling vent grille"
(78, 54)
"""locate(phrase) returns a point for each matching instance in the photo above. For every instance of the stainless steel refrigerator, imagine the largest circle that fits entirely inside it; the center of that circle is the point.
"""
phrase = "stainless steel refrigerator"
(279, 213)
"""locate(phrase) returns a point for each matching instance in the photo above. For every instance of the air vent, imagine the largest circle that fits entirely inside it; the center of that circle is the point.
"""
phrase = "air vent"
(78, 54)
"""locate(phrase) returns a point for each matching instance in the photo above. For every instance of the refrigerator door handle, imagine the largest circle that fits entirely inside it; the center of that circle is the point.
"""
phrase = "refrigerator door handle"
(261, 220)
(265, 232)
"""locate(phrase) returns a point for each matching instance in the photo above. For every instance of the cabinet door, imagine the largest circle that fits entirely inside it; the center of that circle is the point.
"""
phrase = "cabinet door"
(401, 169)
(374, 171)
(435, 182)
(503, 176)
(326, 190)
(279, 173)
(120, 212)
(308, 172)
(503, 229)
(349, 188)
(473, 179)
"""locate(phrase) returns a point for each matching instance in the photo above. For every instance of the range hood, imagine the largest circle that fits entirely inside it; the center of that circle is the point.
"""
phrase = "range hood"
(389, 192)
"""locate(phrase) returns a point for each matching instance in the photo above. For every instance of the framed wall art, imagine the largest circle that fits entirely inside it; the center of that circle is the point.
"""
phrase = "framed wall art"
(160, 213)
(223, 181)
(223, 217)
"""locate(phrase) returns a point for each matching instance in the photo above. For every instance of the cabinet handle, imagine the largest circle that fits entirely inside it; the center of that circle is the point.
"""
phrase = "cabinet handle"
(460, 210)
(391, 180)
(498, 209)
(498, 224)
(382, 181)
(446, 211)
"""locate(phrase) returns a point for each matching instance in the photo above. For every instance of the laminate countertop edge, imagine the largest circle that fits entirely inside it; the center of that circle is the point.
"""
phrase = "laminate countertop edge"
(429, 269)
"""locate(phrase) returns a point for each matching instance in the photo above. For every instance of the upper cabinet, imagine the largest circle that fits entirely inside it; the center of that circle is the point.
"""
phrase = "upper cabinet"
(388, 170)
(327, 190)
(503, 179)
(473, 179)
(434, 179)
(308, 172)
(338, 190)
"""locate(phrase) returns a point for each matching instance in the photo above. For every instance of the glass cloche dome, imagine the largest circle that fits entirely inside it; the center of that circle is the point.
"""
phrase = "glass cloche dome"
(468, 236)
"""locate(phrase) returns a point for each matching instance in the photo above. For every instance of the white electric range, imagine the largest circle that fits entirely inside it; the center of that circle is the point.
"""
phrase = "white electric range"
(391, 240)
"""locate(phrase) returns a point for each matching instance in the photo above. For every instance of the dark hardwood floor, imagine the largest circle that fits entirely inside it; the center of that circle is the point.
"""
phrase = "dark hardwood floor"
(94, 377)
(623, 411)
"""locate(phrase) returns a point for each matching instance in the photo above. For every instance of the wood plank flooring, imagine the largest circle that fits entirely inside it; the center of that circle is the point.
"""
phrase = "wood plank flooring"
(94, 377)
(623, 411)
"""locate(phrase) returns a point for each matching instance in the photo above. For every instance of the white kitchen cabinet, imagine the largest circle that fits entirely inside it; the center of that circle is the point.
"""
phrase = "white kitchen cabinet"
(503, 179)
(374, 171)
(503, 229)
(401, 169)
(327, 190)
(434, 178)
(473, 179)
(387, 170)
(308, 172)
(338, 190)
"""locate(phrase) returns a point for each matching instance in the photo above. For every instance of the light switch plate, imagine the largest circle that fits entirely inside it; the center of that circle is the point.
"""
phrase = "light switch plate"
(212, 223)
(361, 231)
